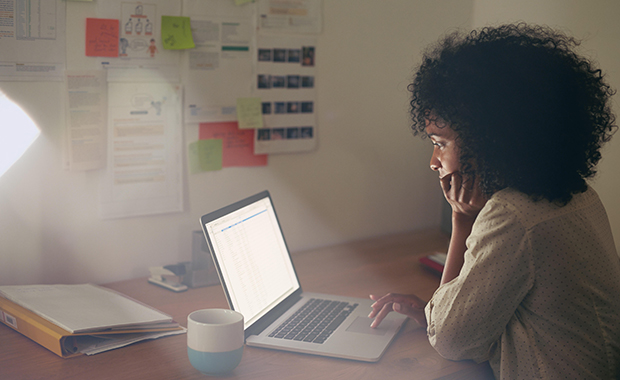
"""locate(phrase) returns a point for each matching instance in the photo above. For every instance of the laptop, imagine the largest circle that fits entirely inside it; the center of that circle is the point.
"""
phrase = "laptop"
(259, 280)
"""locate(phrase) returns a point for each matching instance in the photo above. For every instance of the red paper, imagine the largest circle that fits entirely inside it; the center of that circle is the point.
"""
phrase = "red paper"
(101, 37)
(237, 144)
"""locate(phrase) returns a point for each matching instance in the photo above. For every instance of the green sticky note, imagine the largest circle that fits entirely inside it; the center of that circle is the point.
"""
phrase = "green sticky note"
(205, 155)
(176, 33)
(249, 113)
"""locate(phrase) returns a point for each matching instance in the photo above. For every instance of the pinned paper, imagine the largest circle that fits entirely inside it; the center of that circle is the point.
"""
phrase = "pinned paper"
(101, 37)
(241, 2)
(237, 144)
(249, 113)
(176, 33)
(205, 155)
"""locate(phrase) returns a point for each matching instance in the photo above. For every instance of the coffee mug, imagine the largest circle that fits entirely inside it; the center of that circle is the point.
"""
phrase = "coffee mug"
(215, 340)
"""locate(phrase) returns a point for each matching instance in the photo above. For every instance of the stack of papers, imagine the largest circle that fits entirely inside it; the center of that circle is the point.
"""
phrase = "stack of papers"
(81, 319)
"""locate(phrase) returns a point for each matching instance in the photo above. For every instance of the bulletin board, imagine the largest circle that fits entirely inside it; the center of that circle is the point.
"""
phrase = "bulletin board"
(242, 72)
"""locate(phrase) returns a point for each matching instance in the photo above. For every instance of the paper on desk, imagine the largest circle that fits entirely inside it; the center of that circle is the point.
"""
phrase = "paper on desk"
(94, 344)
(85, 307)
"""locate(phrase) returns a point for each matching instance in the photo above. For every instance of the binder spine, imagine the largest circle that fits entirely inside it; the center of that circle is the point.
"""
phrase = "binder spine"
(31, 325)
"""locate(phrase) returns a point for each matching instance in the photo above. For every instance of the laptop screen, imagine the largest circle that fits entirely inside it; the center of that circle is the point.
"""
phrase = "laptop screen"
(253, 259)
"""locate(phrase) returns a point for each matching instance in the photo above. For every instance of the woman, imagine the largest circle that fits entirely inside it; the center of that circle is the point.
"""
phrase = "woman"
(532, 277)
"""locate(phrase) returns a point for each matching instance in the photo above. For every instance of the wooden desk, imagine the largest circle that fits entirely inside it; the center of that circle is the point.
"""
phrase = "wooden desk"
(378, 265)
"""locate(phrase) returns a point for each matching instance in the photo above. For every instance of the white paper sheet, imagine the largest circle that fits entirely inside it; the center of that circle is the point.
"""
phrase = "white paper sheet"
(144, 162)
(220, 69)
(141, 53)
(84, 307)
(86, 104)
(32, 40)
(102, 343)
(286, 84)
(290, 16)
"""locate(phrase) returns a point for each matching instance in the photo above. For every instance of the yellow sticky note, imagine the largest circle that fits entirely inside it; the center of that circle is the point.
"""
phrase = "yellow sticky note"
(205, 155)
(249, 113)
(176, 33)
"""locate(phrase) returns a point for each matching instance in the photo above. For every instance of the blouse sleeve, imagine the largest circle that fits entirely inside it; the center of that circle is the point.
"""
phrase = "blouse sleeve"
(467, 316)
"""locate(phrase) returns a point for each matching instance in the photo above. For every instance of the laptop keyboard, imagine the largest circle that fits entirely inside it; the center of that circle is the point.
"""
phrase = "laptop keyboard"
(315, 321)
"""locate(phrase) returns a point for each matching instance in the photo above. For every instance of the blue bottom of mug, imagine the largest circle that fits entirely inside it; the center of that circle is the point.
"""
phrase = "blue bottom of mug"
(212, 363)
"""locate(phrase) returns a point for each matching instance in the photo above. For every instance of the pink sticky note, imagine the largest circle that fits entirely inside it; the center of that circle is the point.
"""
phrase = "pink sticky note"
(237, 144)
(101, 37)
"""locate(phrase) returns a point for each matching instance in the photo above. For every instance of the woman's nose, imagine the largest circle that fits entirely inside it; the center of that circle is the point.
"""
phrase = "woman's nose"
(435, 164)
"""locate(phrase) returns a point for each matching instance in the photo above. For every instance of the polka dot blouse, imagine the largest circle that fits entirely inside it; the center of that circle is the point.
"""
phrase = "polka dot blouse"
(539, 292)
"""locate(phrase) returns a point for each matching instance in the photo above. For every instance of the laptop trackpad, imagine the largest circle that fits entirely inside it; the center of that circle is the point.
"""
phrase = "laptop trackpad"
(362, 325)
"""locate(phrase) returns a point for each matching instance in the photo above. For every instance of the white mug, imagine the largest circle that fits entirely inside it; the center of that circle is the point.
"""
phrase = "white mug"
(215, 340)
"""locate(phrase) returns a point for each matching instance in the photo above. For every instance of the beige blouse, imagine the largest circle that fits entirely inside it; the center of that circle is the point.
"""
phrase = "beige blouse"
(539, 292)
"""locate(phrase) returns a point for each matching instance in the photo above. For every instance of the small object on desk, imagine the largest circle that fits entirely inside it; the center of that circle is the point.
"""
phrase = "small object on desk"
(215, 340)
(434, 262)
(202, 272)
(81, 319)
(169, 277)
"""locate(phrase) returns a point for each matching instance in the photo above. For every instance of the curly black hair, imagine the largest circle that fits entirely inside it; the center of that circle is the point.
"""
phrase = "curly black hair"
(529, 113)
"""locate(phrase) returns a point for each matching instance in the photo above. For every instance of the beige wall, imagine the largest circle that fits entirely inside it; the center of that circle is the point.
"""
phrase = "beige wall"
(596, 23)
(368, 177)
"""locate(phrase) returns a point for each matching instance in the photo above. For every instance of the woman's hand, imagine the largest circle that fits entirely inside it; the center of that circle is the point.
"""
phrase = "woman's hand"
(406, 304)
(466, 199)
(463, 194)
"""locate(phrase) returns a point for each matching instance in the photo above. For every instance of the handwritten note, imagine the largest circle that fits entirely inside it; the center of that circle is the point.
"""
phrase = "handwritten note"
(205, 155)
(176, 33)
(249, 113)
(237, 144)
(101, 37)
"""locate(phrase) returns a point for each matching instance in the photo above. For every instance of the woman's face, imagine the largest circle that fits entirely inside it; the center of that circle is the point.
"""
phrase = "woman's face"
(445, 158)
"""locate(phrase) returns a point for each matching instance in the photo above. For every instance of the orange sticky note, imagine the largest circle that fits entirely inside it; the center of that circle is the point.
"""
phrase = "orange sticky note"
(101, 37)
(237, 144)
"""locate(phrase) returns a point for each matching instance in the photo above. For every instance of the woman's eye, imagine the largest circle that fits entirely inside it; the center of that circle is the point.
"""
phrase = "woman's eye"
(436, 144)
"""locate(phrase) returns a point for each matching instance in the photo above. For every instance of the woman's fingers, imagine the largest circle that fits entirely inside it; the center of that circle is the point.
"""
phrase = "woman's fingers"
(464, 194)
(407, 304)
(385, 310)
(445, 184)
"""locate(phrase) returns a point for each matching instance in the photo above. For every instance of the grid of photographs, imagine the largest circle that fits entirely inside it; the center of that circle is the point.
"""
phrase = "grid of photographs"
(266, 81)
(269, 108)
(285, 82)
(290, 133)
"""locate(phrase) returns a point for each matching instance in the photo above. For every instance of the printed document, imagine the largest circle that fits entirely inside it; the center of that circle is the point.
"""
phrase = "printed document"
(86, 112)
(219, 70)
(142, 56)
(144, 161)
(32, 40)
